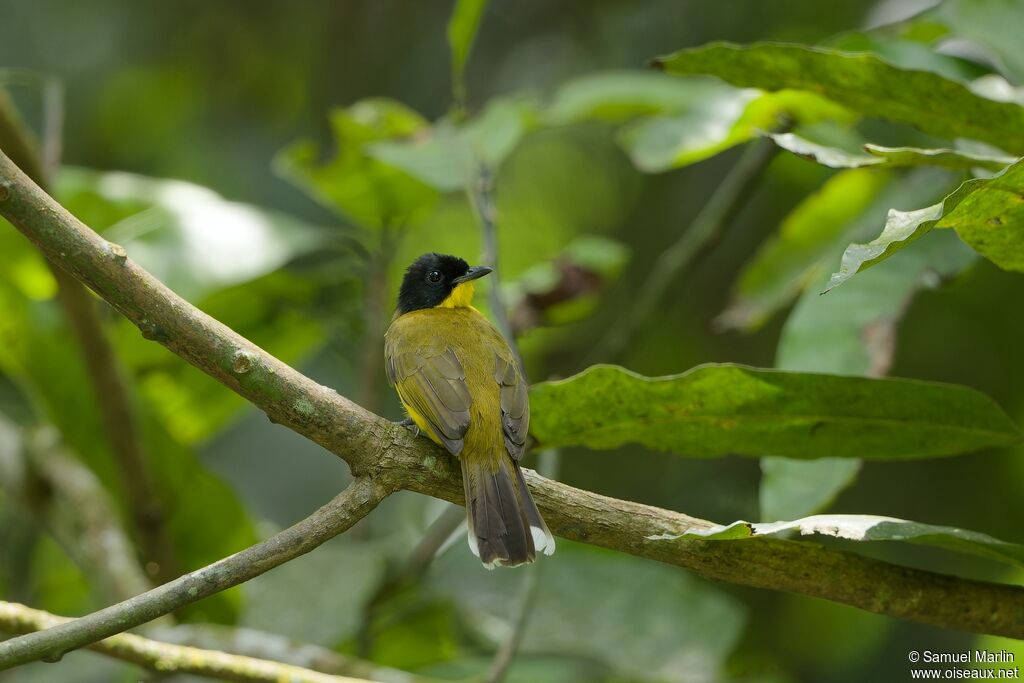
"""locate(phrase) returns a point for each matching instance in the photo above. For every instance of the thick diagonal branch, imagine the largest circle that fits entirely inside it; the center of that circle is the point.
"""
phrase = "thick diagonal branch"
(104, 370)
(388, 453)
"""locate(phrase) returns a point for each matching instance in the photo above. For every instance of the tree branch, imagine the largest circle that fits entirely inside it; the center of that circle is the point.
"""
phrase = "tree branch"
(104, 371)
(348, 507)
(390, 456)
(166, 658)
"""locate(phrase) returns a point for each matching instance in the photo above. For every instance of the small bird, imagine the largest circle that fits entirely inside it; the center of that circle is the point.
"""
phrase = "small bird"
(461, 385)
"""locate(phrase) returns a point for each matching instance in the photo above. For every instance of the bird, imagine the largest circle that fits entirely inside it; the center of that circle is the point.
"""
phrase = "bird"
(462, 386)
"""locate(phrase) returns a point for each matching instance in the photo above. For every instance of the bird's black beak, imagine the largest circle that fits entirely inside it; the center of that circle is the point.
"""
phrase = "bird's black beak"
(472, 274)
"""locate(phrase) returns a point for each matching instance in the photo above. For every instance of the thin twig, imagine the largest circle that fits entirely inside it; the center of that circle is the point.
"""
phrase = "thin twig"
(347, 508)
(374, 446)
(481, 196)
(723, 205)
(375, 318)
(165, 658)
(101, 363)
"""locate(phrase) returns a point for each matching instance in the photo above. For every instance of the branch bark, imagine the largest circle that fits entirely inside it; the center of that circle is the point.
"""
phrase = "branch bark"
(347, 508)
(166, 658)
(390, 456)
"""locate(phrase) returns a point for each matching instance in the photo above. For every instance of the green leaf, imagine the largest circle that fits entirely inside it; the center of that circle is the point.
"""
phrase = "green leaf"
(353, 183)
(721, 120)
(862, 82)
(621, 96)
(993, 24)
(812, 233)
(945, 158)
(873, 528)
(188, 236)
(462, 28)
(715, 410)
(448, 157)
(987, 214)
(849, 331)
(834, 157)
(658, 624)
(852, 331)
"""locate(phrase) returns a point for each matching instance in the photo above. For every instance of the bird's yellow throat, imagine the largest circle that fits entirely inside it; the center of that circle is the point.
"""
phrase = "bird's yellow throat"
(461, 296)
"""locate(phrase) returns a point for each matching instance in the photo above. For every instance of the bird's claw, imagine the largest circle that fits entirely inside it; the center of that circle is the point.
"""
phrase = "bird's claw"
(409, 424)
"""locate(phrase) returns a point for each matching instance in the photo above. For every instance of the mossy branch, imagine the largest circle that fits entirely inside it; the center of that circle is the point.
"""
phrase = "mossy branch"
(386, 457)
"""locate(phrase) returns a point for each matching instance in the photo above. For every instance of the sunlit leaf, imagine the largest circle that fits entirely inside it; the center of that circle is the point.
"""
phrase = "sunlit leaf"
(813, 232)
(188, 236)
(715, 410)
(833, 157)
(874, 528)
(875, 155)
(720, 121)
(945, 158)
(987, 214)
(862, 82)
(620, 96)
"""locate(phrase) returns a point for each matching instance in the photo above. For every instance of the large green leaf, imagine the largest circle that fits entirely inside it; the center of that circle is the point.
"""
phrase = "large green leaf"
(353, 183)
(863, 82)
(716, 410)
(873, 528)
(987, 214)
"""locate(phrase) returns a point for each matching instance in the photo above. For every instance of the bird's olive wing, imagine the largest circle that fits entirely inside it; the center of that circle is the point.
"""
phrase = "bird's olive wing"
(515, 404)
(433, 385)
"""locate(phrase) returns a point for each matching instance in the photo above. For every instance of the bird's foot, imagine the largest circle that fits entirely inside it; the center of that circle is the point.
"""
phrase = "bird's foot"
(409, 424)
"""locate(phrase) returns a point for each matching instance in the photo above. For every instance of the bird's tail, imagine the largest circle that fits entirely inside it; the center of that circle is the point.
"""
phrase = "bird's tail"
(505, 527)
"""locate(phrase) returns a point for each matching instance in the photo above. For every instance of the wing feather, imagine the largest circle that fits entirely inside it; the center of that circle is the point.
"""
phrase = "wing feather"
(515, 403)
(434, 386)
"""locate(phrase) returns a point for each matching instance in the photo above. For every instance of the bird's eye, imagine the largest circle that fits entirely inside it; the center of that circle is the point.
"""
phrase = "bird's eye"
(434, 276)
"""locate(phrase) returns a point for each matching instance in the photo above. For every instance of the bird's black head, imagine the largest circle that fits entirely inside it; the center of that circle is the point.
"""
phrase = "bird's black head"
(438, 280)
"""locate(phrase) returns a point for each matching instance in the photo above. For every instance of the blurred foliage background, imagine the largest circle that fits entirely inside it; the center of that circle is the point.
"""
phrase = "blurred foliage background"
(278, 164)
